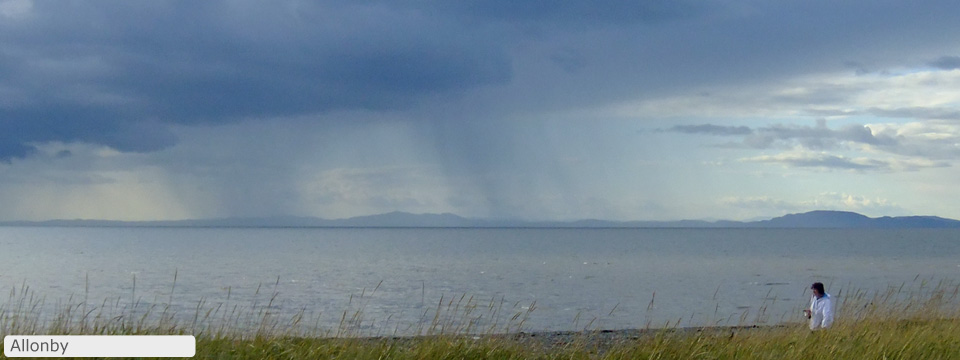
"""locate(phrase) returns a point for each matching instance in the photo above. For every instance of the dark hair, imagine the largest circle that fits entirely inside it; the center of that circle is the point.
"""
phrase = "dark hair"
(819, 287)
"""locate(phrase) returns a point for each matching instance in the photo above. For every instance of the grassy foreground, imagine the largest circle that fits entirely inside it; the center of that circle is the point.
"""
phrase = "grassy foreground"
(928, 339)
(904, 339)
(921, 324)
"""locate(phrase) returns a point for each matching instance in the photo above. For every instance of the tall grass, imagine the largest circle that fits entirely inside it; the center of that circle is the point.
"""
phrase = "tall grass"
(919, 320)
(26, 313)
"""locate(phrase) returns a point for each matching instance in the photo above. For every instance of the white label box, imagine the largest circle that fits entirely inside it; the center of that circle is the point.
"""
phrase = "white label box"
(99, 346)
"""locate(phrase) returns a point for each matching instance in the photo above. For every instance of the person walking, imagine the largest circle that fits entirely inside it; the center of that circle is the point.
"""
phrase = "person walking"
(820, 312)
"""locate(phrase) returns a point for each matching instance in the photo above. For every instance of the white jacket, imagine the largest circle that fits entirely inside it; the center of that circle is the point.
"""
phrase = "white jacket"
(821, 312)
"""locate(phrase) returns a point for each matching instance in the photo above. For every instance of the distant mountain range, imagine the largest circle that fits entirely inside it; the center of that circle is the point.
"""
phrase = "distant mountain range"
(813, 219)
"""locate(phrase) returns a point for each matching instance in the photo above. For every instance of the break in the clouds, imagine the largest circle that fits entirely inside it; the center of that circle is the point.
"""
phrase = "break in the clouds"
(553, 110)
(899, 120)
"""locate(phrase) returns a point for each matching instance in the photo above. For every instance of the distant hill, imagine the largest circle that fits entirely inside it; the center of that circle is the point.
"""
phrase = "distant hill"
(844, 219)
(819, 219)
(813, 219)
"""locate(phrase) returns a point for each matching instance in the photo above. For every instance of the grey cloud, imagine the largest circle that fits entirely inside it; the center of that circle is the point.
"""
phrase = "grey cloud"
(575, 12)
(923, 113)
(569, 60)
(817, 137)
(12, 149)
(941, 145)
(863, 135)
(109, 67)
(821, 137)
(210, 62)
(710, 129)
(836, 162)
(825, 161)
(947, 63)
(23, 127)
(830, 112)
(930, 145)
(859, 68)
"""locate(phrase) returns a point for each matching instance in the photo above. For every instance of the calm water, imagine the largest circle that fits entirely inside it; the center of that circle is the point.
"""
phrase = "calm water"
(602, 278)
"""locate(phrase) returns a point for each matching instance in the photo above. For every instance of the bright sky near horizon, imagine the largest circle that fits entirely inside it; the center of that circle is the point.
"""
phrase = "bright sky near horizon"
(619, 110)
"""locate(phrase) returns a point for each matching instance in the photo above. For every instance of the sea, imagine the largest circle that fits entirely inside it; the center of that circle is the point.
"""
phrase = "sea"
(411, 281)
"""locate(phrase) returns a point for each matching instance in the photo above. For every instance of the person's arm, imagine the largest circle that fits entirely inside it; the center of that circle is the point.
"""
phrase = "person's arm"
(827, 313)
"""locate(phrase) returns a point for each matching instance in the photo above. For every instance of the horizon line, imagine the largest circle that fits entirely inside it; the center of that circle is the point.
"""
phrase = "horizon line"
(381, 221)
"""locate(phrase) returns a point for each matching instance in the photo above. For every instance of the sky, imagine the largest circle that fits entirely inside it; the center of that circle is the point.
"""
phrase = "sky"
(560, 110)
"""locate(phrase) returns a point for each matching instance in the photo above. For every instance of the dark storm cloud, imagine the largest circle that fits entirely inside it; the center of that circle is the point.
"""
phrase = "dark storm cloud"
(97, 74)
(78, 123)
